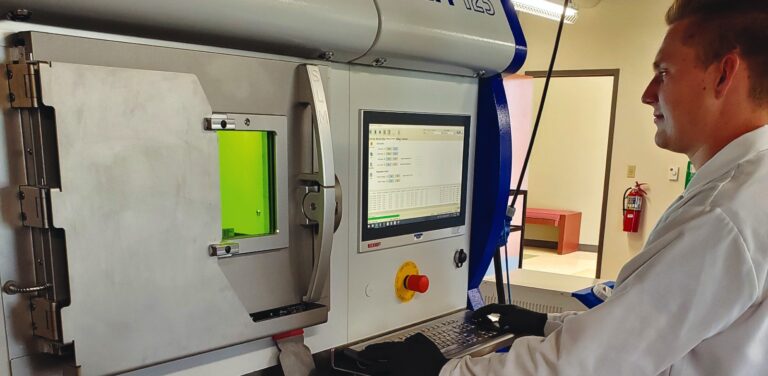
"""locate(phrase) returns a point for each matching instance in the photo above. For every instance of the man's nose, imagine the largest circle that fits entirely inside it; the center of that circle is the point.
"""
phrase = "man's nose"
(651, 93)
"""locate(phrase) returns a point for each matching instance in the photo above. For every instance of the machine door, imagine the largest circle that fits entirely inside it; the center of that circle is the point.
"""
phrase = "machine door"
(167, 235)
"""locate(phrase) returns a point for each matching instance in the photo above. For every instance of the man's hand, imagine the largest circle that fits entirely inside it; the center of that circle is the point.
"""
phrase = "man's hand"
(416, 356)
(512, 319)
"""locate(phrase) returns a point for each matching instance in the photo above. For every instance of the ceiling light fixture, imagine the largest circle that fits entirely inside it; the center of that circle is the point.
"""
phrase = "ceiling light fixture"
(546, 9)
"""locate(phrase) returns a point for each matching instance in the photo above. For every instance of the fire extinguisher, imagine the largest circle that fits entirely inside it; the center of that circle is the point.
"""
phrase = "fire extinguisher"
(633, 207)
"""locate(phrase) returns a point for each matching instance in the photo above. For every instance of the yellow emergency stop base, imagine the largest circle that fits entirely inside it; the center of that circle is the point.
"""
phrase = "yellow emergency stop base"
(408, 268)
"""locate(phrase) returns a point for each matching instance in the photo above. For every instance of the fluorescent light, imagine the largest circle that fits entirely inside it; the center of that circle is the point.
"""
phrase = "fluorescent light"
(546, 9)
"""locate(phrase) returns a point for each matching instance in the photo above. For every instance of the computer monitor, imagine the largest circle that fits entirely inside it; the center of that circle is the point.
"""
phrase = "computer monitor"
(414, 177)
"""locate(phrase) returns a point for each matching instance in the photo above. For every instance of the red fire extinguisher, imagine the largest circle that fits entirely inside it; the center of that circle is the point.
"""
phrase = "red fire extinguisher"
(633, 207)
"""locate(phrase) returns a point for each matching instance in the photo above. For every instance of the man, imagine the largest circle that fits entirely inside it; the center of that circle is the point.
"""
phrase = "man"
(693, 301)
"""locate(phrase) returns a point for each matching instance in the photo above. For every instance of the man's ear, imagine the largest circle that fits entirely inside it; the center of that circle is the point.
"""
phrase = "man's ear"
(726, 71)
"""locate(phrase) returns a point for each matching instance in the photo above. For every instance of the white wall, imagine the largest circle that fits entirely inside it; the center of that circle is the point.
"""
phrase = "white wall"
(623, 34)
(567, 167)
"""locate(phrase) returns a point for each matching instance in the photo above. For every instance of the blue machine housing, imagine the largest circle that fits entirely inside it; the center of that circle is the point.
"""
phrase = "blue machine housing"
(493, 157)
(493, 160)
(521, 45)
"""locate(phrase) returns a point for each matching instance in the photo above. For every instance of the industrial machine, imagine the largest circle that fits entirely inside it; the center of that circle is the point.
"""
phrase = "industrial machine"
(182, 180)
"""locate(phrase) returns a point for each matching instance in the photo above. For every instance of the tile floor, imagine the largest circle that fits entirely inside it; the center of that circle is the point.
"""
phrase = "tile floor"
(578, 263)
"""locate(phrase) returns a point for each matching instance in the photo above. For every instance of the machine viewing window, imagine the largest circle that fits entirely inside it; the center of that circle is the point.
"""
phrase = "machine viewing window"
(414, 173)
(246, 168)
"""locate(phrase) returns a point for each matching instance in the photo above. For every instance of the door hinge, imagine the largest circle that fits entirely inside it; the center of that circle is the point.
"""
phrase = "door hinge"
(45, 322)
(22, 84)
(34, 206)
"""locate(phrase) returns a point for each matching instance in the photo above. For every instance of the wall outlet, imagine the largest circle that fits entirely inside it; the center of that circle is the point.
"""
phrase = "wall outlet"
(631, 169)
(674, 173)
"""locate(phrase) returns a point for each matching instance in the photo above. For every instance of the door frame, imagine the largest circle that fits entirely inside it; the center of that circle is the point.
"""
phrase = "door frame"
(615, 73)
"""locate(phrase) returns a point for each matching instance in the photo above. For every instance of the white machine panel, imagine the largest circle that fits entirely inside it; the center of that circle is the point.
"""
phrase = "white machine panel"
(373, 305)
(304, 28)
(461, 37)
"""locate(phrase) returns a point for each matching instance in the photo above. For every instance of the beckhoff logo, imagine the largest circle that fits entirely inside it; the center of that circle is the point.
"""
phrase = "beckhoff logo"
(374, 245)
(480, 6)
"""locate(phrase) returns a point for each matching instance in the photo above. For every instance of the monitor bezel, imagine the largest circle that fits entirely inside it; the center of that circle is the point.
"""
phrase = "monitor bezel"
(419, 119)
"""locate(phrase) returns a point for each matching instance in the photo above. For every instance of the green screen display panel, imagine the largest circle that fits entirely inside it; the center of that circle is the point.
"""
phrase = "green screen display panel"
(246, 167)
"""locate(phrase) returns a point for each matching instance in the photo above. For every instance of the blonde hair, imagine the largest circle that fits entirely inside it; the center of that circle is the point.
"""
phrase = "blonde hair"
(718, 27)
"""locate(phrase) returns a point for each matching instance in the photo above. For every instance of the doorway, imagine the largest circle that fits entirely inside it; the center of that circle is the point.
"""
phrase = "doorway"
(569, 172)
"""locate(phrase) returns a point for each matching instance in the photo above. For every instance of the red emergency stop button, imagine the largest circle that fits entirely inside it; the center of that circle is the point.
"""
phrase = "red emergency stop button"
(417, 282)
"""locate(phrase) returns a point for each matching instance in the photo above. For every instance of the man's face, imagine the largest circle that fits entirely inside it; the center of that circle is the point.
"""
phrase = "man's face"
(678, 95)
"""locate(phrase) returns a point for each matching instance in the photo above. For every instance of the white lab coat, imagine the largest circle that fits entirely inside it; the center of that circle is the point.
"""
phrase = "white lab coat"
(691, 303)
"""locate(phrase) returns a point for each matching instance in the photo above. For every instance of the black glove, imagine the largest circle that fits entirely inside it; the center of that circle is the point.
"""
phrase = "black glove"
(416, 356)
(512, 319)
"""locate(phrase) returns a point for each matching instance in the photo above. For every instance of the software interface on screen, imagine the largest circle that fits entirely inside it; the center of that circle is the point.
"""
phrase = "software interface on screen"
(414, 173)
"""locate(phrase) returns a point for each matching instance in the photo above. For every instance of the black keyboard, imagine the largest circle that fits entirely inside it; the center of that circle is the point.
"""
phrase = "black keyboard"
(455, 334)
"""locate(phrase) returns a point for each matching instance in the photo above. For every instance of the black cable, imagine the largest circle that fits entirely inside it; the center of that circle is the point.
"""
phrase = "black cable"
(499, 277)
(535, 131)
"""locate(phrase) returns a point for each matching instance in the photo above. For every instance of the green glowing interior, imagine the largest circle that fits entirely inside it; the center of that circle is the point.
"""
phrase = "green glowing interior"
(246, 168)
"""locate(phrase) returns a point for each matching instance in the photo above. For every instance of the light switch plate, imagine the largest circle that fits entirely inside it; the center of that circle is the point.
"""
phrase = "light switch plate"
(631, 170)
(674, 173)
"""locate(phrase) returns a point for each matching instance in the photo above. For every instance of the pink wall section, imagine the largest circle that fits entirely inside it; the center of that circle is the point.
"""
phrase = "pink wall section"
(519, 90)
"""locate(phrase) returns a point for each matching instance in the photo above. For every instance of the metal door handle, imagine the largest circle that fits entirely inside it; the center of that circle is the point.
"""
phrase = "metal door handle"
(339, 208)
(313, 95)
(11, 288)
(320, 202)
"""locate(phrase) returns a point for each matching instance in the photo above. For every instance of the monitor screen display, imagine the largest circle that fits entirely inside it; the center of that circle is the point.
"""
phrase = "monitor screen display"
(414, 173)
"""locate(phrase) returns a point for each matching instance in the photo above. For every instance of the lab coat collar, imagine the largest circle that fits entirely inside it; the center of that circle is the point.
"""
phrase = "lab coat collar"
(738, 150)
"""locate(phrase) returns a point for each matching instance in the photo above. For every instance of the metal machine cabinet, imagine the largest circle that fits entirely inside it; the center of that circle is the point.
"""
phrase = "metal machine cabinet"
(136, 162)
(122, 208)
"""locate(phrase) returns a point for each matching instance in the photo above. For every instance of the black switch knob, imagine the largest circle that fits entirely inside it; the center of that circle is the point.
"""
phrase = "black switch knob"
(459, 258)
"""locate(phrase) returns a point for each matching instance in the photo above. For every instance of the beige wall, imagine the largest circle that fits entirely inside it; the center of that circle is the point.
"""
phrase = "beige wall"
(623, 34)
(567, 167)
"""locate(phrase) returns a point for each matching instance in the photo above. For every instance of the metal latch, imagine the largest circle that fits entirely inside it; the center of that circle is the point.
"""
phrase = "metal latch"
(22, 84)
(224, 249)
(34, 206)
(311, 205)
(219, 122)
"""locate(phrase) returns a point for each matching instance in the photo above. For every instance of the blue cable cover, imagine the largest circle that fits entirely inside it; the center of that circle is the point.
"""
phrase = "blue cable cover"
(493, 158)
